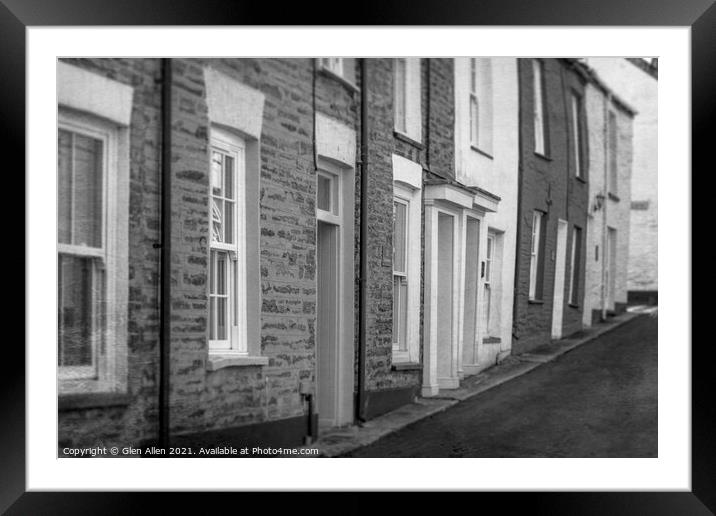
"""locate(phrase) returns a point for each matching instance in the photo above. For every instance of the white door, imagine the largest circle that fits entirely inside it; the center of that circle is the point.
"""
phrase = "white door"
(559, 273)
(327, 322)
(470, 341)
(334, 296)
(446, 345)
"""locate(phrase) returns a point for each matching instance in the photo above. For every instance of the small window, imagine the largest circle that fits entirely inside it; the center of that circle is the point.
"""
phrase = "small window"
(227, 331)
(539, 114)
(400, 274)
(480, 101)
(406, 97)
(536, 259)
(578, 140)
(613, 139)
(327, 192)
(576, 260)
(333, 64)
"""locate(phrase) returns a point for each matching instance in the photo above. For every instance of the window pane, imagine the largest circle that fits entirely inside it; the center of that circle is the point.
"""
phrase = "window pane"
(229, 172)
(612, 152)
(76, 305)
(212, 273)
(217, 216)
(399, 236)
(221, 330)
(64, 186)
(221, 274)
(229, 222)
(212, 318)
(403, 314)
(216, 171)
(396, 309)
(87, 203)
(474, 120)
(324, 193)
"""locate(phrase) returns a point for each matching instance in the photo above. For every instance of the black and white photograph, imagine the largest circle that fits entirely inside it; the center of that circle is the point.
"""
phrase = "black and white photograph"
(357, 257)
(425, 246)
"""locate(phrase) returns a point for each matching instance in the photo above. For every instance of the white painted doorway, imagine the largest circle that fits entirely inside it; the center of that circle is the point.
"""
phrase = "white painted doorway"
(446, 306)
(334, 296)
(559, 273)
(471, 311)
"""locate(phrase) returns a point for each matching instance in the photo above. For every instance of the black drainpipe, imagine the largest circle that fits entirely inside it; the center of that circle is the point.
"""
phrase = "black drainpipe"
(363, 287)
(518, 226)
(165, 260)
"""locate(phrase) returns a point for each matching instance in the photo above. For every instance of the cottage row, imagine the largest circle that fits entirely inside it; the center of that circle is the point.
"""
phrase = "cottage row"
(252, 250)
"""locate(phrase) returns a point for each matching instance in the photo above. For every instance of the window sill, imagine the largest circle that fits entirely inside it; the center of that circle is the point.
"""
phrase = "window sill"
(572, 305)
(339, 78)
(406, 366)
(492, 340)
(87, 400)
(407, 139)
(580, 179)
(535, 301)
(542, 156)
(480, 151)
(614, 197)
(221, 360)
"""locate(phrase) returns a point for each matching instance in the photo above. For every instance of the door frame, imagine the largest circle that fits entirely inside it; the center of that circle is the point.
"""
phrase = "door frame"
(344, 219)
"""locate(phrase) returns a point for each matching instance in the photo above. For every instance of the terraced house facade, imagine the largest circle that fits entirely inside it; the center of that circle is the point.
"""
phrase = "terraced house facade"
(251, 251)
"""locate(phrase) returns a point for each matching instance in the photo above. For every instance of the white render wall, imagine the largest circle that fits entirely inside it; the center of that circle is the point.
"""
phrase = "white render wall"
(617, 208)
(497, 175)
(639, 90)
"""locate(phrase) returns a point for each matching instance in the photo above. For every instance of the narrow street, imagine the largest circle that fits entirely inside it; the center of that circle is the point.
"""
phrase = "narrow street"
(599, 400)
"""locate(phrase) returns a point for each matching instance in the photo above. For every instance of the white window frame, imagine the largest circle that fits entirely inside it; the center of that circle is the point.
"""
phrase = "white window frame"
(537, 218)
(411, 125)
(400, 197)
(489, 254)
(104, 375)
(236, 342)
(474, 118)
(540, 140)
(407, 188)
(480, 96)
(572, 269)
(576, 102)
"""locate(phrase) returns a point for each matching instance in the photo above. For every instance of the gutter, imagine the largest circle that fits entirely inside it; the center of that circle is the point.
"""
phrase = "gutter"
(607, 101)
(165, 256)
(363, 243)
(518, 225)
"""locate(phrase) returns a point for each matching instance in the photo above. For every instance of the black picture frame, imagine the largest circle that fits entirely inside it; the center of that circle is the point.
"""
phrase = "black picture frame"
(17, 15)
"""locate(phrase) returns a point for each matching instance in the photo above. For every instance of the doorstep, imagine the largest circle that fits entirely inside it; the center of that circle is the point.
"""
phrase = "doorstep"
(340, 441)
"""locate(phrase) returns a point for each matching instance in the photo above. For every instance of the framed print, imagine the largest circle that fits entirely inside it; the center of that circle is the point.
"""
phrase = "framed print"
(441, 243)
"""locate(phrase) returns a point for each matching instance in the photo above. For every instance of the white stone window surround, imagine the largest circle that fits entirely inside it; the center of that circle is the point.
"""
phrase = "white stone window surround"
(453, 201)
(411, 91)
(407, 186)
(91, 104)
(237, 109)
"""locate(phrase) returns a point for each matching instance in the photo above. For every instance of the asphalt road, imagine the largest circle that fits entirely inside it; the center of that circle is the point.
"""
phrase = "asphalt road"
(599, 400)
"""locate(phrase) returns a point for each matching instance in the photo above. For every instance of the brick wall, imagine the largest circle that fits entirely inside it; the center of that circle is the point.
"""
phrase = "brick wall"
(137, 421)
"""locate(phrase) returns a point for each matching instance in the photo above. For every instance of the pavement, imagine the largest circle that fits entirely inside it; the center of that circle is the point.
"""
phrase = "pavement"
(357, 440)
